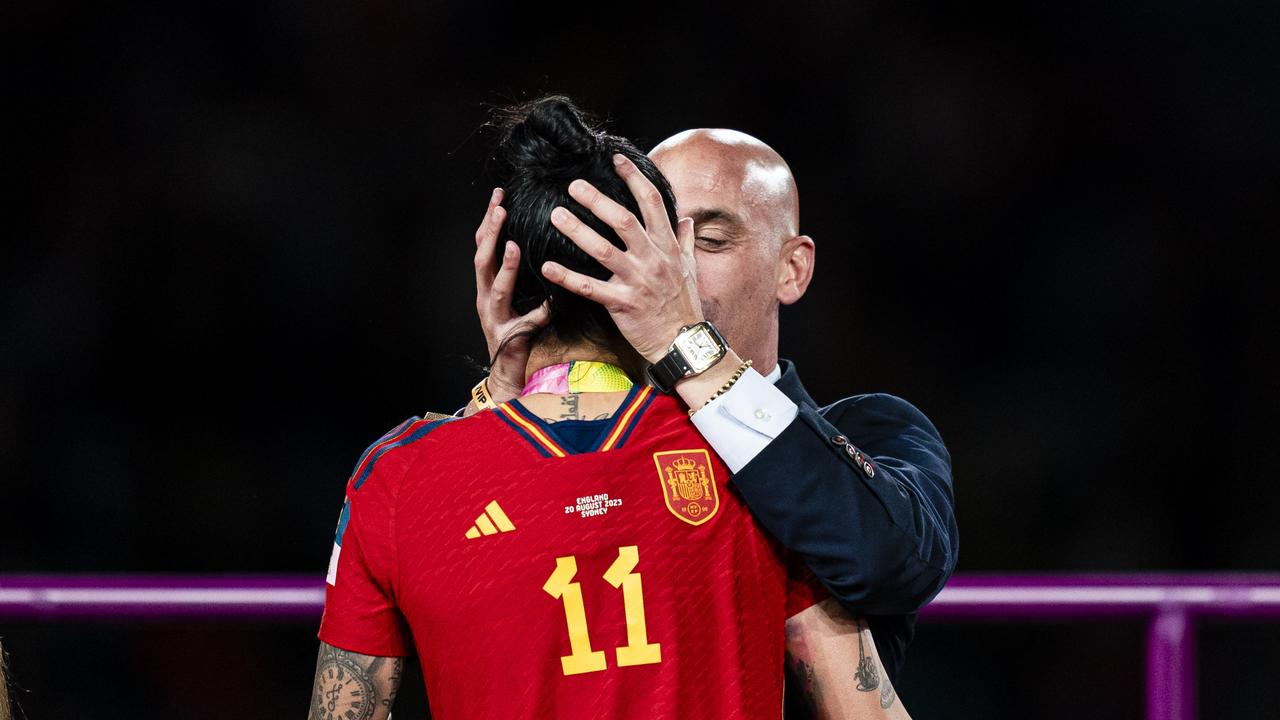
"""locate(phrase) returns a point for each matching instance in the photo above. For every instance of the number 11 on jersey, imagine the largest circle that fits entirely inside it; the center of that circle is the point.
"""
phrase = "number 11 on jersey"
(582, 659)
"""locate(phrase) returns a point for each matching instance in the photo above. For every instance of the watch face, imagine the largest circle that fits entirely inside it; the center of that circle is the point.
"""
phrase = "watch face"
(700, 349)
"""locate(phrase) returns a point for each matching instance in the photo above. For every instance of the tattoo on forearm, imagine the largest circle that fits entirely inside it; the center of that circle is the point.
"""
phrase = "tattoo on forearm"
(801, 671)
(867, 673)
(396, 668)
(346, 685)
(808, 678)
(887, 694)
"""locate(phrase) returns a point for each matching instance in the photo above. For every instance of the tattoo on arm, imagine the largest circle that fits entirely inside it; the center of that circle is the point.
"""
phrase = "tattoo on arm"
(396, 667)
(351, 686)
(809, 687)
(820, 656)
(867, 673)
(887, 695)
(802, 671)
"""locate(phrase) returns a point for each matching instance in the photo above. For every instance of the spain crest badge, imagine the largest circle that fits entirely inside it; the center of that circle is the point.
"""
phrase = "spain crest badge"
(688, 484)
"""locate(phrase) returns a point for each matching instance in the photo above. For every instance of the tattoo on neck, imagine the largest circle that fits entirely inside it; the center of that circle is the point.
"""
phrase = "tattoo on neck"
(570, 403)
(573, 411)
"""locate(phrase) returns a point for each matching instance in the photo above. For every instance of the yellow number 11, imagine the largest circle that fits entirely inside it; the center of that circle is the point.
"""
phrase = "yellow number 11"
(582, 659)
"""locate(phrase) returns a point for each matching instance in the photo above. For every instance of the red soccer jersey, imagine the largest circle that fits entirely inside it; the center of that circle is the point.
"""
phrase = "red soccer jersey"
(625, 580)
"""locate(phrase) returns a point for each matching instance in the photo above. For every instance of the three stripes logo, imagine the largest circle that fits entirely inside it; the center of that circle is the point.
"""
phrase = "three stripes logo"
(491, 522)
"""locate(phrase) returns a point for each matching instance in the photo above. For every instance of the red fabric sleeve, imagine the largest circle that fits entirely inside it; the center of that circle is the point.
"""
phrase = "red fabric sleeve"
(360, 613)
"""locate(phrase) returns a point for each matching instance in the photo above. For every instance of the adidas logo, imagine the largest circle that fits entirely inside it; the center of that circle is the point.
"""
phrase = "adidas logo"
(491, 522)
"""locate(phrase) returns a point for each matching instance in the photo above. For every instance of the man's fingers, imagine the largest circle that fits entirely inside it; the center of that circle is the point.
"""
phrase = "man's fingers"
(647, 196)
(685, 236)
(579, 284)
(590, 241)
(614, 215)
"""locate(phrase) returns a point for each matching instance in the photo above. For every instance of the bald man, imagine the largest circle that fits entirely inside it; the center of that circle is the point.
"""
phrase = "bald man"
(860, 488)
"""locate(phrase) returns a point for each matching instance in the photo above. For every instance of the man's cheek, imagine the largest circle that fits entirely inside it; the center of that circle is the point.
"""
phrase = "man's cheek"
(711, 311)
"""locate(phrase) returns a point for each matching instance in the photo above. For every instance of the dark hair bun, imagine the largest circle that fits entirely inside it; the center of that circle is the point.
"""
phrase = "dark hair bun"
(545, 145)
(546, 136)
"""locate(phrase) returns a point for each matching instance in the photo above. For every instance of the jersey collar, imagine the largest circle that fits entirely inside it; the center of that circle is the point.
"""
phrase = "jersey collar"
(614, 431)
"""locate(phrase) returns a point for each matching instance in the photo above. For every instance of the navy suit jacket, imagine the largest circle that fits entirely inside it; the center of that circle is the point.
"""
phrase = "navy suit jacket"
(870, 507)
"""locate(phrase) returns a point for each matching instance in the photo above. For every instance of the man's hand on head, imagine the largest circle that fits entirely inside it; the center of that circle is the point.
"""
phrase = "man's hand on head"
(495, 285)
(654, 288)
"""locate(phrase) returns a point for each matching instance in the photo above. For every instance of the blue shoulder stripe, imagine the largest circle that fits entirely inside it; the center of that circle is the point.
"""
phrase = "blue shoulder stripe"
(408, 434)
(343, 519)
(394, 431)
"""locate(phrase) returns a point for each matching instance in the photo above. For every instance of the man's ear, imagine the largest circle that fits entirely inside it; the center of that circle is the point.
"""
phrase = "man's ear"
(795, 268)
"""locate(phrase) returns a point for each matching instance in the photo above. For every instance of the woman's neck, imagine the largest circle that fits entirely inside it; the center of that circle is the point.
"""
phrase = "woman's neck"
(554, 407)
(546, 355)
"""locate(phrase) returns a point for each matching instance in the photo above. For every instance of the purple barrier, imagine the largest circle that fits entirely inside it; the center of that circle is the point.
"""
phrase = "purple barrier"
(99, 598)
(1091, 597)
(1170, 604)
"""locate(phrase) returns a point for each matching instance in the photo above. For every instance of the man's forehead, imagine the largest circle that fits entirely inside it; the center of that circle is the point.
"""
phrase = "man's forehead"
(719, 159)
(720, 215)
(767, 178)
(710, 172)
(716, 169)
(707, 190)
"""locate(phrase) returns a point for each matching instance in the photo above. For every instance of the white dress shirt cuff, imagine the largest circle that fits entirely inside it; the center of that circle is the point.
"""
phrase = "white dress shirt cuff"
(741, 422)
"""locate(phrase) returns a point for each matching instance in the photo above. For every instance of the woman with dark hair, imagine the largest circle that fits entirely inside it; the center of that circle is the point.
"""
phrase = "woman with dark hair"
(576, 552)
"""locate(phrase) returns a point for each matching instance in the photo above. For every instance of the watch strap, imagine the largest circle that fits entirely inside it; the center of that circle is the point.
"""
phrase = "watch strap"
(665, 373)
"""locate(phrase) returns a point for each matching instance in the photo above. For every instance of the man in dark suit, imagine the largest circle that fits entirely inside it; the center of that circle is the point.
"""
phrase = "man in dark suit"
(860, 488)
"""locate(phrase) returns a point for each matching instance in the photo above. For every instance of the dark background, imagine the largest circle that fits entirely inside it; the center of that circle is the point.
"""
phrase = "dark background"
(239, 244)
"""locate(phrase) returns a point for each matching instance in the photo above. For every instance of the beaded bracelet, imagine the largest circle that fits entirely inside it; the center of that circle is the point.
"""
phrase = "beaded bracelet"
(724, 388)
